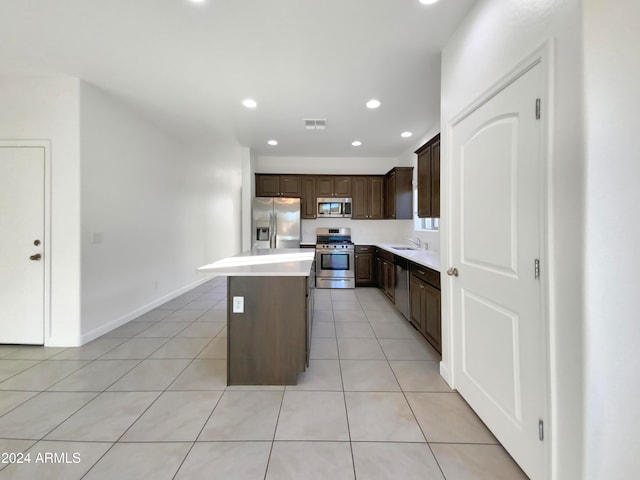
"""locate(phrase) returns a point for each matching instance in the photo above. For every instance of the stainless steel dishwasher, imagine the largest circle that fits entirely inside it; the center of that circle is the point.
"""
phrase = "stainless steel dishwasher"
(402, 285)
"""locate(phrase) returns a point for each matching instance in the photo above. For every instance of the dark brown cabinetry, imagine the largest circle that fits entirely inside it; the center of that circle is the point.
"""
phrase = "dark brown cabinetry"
(275, 349)
(389, 279)
(365, 266)
(278, 185)
(379, 271)
(425, 304)
(373, 196)
(399, 193)
(333, 186)
(429, 179)
(368, 197)
(386, 273)
(308, 196)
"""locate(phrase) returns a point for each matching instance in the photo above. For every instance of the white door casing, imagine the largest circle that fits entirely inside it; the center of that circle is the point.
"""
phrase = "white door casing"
(22, 223)
(497, 305)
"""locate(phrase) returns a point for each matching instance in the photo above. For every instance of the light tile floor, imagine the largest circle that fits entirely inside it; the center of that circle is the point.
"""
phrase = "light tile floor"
(149, 400)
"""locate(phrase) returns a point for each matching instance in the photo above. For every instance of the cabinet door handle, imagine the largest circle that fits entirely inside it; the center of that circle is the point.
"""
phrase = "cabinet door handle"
(421, 272)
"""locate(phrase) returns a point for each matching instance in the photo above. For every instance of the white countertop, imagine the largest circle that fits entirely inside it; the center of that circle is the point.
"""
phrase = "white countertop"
(267, 262)
(425, 258)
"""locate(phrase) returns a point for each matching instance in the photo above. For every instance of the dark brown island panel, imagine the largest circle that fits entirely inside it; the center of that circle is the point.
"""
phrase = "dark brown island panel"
(269, 343)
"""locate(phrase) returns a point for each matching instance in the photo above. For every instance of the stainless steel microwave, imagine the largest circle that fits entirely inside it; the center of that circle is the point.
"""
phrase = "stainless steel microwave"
(334, 207)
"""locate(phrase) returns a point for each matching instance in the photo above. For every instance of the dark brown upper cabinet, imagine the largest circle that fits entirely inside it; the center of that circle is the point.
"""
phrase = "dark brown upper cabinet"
(368, 197)
(333, 186)
(309, 204)
(429, 179)
(268, 185)
(399, 193)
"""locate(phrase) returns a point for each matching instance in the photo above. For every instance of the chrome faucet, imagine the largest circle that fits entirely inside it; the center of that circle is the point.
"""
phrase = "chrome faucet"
(417, 242)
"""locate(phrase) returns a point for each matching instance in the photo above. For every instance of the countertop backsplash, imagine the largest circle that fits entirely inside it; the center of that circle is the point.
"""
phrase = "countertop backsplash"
(370, 232)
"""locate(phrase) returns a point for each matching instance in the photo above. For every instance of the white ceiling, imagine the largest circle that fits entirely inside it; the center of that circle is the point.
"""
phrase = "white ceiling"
(190, 65)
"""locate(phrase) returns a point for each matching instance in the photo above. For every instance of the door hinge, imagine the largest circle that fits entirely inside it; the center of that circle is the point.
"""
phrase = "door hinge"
(536, 269)
(537, 109)
(541, 430)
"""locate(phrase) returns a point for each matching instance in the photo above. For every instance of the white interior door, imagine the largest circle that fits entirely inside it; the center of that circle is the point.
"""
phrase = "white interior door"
(21, 245)
(500, 363)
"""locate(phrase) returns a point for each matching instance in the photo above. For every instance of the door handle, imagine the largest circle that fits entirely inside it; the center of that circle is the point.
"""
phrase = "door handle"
(35, 257)
(452, 272)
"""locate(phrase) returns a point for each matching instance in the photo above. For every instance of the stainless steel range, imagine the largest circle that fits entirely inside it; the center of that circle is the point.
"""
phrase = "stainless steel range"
(335, 254)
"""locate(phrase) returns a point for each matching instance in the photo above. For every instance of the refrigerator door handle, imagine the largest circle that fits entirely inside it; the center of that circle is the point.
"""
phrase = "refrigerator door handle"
(275, 230)
(270, 228)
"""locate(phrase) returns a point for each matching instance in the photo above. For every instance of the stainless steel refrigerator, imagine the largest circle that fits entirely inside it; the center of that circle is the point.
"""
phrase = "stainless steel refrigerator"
(276, 222)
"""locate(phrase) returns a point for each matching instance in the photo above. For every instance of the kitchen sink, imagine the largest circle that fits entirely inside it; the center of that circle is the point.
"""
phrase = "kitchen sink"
(404, 248)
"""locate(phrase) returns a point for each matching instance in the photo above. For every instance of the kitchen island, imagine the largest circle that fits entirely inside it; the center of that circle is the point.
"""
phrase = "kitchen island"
(269, 314)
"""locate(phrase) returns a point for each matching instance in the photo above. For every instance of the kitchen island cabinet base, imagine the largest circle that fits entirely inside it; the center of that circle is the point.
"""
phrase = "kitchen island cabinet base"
(268, 344)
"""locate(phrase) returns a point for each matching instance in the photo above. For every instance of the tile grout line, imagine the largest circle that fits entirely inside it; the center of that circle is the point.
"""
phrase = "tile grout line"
(193, 444)
(411, 408)
(275, 430)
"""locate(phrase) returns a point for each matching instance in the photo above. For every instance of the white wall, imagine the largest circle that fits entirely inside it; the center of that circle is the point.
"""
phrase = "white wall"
(219, 167)
(495, 37)
(328, 165)
(47, 108)
(249, 160)
(612, 384)
(363, 232)
(161, 207)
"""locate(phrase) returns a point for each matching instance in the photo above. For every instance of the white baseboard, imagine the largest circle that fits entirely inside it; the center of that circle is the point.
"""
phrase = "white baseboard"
(118, 322)
(445, 374)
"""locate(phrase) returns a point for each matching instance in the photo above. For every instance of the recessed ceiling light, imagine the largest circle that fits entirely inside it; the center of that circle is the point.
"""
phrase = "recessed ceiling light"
(427, 2)
(249, 103)
(273, 143)
(373, 103)
(357, 143)
(197, 1)
(406, 134)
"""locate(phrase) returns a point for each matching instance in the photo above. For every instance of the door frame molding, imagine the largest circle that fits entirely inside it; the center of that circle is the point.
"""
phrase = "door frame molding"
(544, 56)
(45, 145)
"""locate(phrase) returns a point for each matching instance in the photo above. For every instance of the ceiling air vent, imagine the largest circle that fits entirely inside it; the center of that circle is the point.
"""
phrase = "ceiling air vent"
(315, 123)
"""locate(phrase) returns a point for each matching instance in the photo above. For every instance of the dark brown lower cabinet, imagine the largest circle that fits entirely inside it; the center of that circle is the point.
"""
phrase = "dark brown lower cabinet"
(365, 266)
(389, 279)
(425, 304)
(433, 313)
(386, 272)
(379, 270)
(268, 343)
(416, 286)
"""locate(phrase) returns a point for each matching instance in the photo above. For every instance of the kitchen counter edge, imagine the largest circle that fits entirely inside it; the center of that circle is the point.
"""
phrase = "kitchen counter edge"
(425, 258)
(272, 262)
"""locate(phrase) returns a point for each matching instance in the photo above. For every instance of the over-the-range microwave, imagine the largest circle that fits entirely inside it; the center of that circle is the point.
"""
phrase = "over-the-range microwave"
(334, 207)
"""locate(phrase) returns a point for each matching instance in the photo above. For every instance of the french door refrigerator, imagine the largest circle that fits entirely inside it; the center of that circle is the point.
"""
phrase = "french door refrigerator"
(276, 222)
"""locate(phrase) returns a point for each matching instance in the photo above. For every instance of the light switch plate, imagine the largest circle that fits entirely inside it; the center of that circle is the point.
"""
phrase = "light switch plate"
(238, 304)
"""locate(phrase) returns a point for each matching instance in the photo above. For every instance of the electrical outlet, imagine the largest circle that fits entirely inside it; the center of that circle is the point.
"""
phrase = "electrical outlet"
(96, 237)
(238, 304)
